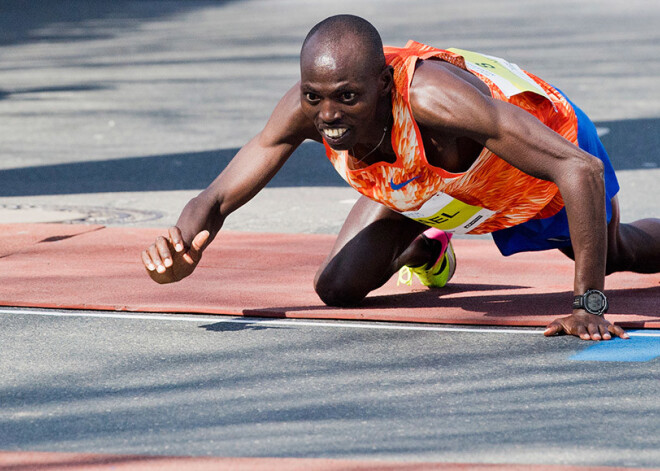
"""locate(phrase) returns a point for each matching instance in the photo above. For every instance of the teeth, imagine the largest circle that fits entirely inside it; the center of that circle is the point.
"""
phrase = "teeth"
(335, 133)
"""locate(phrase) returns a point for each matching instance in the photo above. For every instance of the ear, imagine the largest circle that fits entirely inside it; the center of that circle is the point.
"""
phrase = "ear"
(386, 80)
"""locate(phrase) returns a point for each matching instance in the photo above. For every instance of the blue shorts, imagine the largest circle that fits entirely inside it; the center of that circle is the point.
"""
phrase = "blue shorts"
(552, 232)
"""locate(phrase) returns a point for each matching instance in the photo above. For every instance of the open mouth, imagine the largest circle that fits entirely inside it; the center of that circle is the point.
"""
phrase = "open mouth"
(335, 136)
(335, 133)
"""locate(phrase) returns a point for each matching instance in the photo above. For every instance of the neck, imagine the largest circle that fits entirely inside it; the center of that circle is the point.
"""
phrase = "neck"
(374, 150)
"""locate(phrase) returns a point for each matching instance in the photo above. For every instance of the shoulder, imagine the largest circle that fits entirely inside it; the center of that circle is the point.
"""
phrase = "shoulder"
(444, 95)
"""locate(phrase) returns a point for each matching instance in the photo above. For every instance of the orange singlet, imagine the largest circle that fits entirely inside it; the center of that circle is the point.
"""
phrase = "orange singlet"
(492, 194)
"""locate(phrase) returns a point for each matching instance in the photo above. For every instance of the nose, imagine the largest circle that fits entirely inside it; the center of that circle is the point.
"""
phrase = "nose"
(329, 112)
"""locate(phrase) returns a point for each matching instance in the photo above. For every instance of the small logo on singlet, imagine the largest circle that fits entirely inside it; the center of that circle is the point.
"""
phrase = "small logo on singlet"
(398, 186)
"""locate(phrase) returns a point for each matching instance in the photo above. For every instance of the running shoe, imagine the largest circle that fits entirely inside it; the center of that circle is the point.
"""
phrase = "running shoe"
(439, 274)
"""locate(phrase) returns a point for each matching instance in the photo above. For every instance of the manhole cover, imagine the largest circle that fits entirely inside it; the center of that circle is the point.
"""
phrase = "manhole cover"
(30, 213)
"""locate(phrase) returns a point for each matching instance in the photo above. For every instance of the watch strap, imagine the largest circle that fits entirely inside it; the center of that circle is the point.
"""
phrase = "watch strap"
(578, 302)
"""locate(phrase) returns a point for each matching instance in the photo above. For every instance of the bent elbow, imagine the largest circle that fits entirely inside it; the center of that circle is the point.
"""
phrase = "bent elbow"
(595, 174)
(583, 180)
(586, 171)
(597, 168)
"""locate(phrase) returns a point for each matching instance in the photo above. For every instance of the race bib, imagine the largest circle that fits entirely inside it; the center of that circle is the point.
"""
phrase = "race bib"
(510, 78)
(449, 214)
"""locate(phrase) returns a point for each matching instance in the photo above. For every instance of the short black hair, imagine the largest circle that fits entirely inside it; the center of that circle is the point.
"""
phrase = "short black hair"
(334, 28)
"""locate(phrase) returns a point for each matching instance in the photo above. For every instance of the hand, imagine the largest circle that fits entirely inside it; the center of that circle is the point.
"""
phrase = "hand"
(586, 326)
(167, 260)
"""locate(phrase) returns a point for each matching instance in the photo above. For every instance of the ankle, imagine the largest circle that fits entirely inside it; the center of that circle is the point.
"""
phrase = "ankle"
(424, 252)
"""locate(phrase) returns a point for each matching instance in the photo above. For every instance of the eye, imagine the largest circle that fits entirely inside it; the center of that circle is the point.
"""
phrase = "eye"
(348, 97)
(312, 98)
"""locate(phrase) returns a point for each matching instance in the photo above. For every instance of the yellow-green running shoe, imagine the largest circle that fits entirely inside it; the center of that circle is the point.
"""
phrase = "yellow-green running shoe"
(442, 270)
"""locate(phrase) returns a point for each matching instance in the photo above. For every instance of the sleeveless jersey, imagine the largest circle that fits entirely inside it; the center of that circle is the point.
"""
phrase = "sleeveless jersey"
(492, 194)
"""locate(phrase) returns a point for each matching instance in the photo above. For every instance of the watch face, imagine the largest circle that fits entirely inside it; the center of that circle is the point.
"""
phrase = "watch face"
(594, 302)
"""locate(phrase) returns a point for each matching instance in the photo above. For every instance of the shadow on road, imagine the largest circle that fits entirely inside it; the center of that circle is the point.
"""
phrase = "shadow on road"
(631, 145)
(308, 166)
(77, 20)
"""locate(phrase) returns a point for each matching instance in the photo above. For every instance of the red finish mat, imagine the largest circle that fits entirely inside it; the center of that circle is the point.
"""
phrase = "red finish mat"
(40, 461)
(92, 267)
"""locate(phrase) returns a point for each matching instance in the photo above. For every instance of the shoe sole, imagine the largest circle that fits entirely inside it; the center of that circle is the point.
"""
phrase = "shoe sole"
(451, 260)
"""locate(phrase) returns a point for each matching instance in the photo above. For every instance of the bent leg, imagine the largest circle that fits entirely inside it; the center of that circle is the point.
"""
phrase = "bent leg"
(371, 246)
(633, 247)
(630, 247)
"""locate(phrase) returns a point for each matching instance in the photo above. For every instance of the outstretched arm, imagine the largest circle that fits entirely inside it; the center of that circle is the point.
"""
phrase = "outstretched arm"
(540, 152)
(445, 102)
(175, 255)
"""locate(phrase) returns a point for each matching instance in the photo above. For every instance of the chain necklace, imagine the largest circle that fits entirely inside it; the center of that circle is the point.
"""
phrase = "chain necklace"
(374, 149)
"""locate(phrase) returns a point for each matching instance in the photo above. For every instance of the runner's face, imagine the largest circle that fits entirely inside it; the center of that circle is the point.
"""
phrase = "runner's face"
(341, 98)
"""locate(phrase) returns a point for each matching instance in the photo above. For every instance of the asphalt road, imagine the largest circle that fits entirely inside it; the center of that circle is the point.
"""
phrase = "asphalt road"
(119, 112)
(214, 386)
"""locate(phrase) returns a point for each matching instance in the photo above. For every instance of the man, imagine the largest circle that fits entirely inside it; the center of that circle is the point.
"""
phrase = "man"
(443, 138)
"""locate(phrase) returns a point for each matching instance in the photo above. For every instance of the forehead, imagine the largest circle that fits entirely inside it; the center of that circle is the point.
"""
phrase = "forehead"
(333, 64)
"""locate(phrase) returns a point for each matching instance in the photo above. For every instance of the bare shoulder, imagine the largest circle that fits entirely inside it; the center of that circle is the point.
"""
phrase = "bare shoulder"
(446, 96)
(287, 123)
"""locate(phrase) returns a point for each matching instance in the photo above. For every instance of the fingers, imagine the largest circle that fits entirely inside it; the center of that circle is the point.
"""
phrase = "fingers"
(197, 247)
(146, 260)
(176, 239)
(160, 254)
(604, 332)
(200, 240)
(585, 327)
(594, 332)
(582, 332)
(158, 257)
(167, 259)
(553, 329)
(618, 331)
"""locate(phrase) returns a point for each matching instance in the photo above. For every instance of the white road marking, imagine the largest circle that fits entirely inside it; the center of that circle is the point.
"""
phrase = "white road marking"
(260, 320)
(375, 325)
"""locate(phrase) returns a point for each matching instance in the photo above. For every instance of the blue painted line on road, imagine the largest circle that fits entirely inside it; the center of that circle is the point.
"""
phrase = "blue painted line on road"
(639, 347)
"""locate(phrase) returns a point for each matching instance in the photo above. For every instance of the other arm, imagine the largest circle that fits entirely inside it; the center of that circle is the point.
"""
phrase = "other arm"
(443, 101)
(175, 256)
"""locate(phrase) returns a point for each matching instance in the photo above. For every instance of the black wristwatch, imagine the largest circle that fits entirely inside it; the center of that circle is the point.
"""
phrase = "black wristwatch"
(593, 301)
